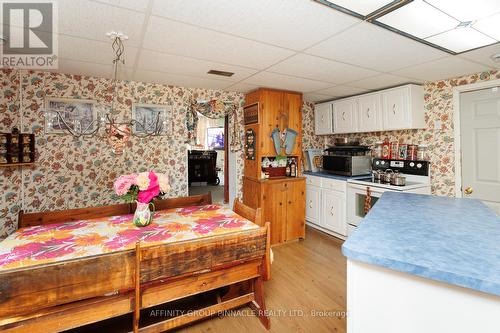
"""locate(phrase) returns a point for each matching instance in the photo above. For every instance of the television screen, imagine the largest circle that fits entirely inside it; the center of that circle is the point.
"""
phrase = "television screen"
(215, 137)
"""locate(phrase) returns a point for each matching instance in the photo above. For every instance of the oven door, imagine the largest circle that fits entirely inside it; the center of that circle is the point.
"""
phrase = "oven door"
(356, 196)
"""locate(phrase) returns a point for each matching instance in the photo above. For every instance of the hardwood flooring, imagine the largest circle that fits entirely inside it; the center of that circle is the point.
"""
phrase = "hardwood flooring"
(306, 293)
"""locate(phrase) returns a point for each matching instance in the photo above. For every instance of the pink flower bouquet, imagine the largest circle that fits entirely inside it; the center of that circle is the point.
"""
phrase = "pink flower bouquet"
(142, 187)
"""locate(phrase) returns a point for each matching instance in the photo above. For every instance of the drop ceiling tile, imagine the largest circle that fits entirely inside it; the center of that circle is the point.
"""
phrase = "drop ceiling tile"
(341, 91)
(313, 97)
(316, 68)
(483, 55)
(156, 61)
(441, 69)
(294, 24)
(68, 66)
(376, 48)
(93, 20)
(81, 49)
(139, 5)
(280, 81)
(178, 80)
(241, 87)
(186, 40)
(382, 81)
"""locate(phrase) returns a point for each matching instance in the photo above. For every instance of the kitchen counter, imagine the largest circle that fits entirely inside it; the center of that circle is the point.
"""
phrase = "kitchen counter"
(325, 174)
(455, 241)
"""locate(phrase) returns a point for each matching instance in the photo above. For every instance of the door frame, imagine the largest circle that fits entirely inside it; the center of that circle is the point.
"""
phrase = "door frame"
(456, 123)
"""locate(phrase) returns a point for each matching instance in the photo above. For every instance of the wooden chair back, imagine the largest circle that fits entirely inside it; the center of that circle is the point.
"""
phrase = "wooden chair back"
(42, 218)
(247, 212)
(194, 200)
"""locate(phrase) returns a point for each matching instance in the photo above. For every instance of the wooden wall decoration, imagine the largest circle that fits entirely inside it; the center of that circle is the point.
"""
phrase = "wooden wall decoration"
(17, 148)
(250, 144)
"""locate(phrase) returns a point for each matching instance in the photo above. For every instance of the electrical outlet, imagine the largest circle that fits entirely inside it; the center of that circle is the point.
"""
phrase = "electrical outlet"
(438, 124)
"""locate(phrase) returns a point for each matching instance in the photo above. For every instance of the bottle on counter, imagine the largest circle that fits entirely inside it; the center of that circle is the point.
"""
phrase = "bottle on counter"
(288, 169)
(293, 168)
(386, 150)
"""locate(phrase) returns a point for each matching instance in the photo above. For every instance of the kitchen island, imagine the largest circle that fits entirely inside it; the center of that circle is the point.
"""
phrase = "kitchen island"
(421, 263)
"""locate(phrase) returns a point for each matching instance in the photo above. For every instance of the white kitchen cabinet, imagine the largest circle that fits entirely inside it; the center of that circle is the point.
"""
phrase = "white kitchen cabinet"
(323, 121)
(344, 116)
(390, 109)
(403, 108)
(326, 205)
(333, 211)
(313, 203)
(369, 113)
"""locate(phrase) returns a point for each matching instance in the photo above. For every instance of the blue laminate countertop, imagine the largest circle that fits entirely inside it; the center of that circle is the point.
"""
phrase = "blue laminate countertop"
(456, 241)
(325, 174)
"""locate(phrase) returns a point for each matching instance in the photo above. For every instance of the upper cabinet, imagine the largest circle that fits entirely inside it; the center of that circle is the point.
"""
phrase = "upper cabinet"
(344, 116)
(369, 113)
(403, 107)
(323, 119)
(390, 109)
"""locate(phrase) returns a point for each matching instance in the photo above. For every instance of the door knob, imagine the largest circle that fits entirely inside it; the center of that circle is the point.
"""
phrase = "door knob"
(331, 211)
(310, 204)
(468, 190)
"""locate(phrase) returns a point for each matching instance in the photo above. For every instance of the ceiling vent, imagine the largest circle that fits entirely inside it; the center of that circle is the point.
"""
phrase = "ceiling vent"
(220, 73)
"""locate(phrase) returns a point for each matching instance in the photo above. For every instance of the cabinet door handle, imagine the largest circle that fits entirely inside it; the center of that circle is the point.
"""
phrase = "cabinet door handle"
(343, 115)
(331, 211)
(368, 112)
(394, 108)
(310, 204)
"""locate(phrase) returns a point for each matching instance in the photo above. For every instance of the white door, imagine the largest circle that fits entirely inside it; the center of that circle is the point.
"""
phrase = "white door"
(396, 108)
(480, 140)
(333, 211)
(369, 119)
(313, 204)
(323, 121)
(344, 118)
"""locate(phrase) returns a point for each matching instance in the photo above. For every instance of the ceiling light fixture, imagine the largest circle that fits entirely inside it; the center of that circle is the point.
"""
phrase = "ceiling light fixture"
(105, 125)
(448, 25)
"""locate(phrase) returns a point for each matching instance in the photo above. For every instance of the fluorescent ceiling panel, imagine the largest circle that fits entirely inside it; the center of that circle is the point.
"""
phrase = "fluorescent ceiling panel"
(461, 39)
(467, 10)
(363, 7)
(489, 26)
(419, 19)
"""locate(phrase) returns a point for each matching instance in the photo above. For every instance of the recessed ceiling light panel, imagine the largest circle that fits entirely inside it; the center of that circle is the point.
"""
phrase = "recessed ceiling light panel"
(419, 19)
(461, 40)
(467, 10)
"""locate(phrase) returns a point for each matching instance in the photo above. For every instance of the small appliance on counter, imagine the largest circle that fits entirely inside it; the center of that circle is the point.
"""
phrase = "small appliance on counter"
(347, 160)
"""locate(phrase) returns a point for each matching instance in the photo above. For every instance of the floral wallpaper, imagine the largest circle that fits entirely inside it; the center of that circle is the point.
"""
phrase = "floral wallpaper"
(73, 173)
(438, 106)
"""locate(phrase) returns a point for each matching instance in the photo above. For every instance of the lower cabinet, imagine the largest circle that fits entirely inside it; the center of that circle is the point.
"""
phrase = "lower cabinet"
(283, 203)
(326, 204)
(333, 206)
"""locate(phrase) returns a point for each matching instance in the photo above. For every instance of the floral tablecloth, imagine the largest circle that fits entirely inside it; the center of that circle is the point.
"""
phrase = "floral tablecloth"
(63, 241)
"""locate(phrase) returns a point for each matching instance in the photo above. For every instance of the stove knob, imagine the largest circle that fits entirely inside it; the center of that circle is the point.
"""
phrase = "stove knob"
(378, 162)
(412, 164)
(419, 165)
(383, 162)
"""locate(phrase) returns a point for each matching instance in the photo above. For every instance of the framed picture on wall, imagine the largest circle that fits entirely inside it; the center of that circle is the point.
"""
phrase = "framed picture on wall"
(147, 115)
(72, 110)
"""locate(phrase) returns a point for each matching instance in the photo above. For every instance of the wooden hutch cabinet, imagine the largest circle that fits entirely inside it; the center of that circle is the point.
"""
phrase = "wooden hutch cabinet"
(282, 199)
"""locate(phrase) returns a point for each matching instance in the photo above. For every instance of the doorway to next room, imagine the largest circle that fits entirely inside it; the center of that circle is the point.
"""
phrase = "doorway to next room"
(207, 159)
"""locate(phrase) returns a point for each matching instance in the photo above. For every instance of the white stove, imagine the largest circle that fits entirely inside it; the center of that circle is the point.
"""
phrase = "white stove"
(417, 175)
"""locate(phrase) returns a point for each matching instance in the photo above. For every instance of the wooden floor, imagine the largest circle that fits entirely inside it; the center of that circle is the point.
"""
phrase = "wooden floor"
(307, 292)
